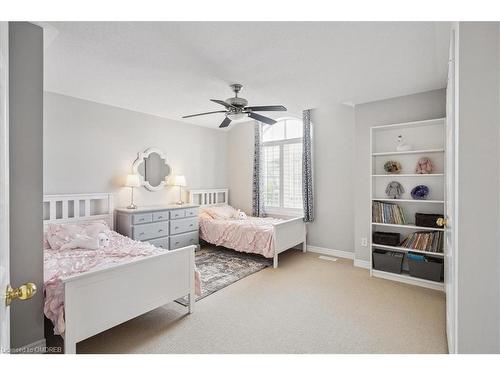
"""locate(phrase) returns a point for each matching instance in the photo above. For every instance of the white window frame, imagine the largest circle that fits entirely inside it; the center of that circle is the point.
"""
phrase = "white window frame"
(282, 210)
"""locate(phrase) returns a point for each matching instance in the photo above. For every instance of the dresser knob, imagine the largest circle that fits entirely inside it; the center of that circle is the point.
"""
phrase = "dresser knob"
(141, 234)
(160, 230)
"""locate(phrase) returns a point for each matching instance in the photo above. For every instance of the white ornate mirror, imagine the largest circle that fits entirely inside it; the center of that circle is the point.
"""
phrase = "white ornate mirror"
(152, 166)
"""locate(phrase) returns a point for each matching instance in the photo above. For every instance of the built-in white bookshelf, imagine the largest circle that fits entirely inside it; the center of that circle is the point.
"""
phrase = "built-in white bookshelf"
(427, 139)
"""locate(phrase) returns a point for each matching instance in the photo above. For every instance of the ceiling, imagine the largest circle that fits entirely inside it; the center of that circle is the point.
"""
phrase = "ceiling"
(171, 69)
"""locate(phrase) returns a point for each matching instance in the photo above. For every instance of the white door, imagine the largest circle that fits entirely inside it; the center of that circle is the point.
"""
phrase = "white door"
(450, 257)
(4, 189)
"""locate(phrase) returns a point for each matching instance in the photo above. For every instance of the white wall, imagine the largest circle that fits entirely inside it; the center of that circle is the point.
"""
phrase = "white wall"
(478, 314)
(333, 127)
(90, 147)
(423, 106)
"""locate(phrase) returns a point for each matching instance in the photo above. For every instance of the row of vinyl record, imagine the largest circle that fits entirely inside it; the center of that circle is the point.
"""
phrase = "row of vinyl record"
(424, 241)
(387, 213)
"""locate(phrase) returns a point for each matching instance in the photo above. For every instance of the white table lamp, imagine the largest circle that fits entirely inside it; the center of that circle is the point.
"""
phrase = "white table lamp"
(132, 181)
(180, 181)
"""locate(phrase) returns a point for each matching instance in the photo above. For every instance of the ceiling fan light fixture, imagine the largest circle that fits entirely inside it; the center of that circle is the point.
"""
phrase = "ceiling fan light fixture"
(237, 116)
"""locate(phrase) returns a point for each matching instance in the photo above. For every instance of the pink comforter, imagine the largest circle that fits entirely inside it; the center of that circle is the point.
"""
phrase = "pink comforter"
(251, 235)
(59, 264)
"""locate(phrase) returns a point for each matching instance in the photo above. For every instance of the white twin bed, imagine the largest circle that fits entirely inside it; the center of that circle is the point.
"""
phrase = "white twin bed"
(266, 236)
(105, 296)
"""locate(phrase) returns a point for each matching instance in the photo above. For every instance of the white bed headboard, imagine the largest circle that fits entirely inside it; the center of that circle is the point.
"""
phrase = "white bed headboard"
(209, 197)
(69, 208)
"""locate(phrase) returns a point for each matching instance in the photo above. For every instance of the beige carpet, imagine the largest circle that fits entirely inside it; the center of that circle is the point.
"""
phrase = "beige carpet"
(307, 305)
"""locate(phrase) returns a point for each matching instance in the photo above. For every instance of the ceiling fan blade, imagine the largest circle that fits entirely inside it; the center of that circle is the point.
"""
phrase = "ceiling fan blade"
(266, 108)
(222, 102)
(204, 113)
(261, 118)
(225, 123)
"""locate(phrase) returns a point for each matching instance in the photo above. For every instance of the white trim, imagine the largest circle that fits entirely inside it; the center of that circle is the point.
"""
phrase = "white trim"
(4, 186)
(362, 263)
(331, 252)
(37, 347)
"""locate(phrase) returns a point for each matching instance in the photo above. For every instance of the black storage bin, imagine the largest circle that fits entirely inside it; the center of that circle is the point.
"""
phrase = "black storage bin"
(389, 261)
(427, 220)
(386, 238)
(431, 269)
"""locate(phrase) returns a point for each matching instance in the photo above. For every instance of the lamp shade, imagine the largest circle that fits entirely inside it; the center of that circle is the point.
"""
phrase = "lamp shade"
(177, 180)
(133, 180)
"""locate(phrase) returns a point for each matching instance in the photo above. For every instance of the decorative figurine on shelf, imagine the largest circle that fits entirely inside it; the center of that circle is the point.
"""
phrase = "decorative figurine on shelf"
(394, 190)
(392, 167)
(420, 192)
(424, 166)
(402, 145)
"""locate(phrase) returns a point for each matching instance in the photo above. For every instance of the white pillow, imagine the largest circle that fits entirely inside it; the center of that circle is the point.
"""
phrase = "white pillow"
(222, 212)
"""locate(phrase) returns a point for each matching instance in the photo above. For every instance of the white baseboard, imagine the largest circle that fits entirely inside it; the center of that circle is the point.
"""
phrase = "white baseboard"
(331, 252)
(362, 263)
(37, 347)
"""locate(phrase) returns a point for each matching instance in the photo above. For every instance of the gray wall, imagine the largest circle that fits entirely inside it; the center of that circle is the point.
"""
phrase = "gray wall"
(423, 106)
(333, 127)
(478, 188)
(90, 147)
(26, 177)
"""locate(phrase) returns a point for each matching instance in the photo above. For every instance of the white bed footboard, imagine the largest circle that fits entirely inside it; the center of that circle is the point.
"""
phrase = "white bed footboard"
(98, 300)
(287, 234)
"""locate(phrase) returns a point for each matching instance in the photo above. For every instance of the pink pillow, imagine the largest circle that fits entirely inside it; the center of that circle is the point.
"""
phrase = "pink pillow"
(60, 234)
(222, 212)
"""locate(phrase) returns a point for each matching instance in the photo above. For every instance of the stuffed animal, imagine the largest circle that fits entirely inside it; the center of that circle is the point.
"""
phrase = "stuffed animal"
(87, 242)
(424, 166)
(240, 215)
(394, 190)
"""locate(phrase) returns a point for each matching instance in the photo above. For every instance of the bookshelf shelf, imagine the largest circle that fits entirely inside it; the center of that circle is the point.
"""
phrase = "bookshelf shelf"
(409, 175)
(407, 200)
(407, 279)
(428, 140)
(429, 151)
(405, 249)
(408, 226)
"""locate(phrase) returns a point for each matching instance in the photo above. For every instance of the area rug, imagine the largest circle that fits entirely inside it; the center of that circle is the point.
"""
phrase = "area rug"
(220, 267)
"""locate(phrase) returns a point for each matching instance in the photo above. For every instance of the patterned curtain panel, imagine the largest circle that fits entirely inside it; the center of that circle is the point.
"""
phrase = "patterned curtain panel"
(307, 168)
(258, 181)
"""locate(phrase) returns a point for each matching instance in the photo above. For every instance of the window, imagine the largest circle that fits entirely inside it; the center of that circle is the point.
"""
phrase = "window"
(282, 165)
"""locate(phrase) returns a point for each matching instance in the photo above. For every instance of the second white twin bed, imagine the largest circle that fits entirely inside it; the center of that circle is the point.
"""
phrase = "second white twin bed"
(223, 225)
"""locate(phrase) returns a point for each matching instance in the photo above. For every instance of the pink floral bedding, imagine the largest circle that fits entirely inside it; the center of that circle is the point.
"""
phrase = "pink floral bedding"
(251, 235)
(62, 263)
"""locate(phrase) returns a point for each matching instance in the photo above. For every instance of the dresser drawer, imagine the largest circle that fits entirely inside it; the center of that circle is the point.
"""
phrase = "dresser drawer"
(191, 212)
(182, 240)
(177, 214)
(184, 225)
(142, 218)
(160, 215)
(148, 231)
(160, 242)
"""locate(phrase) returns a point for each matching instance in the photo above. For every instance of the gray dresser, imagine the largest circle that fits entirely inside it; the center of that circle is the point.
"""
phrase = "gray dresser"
(169, 226)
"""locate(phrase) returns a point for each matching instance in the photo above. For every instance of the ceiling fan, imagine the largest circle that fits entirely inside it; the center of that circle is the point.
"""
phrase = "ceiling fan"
(236, 109)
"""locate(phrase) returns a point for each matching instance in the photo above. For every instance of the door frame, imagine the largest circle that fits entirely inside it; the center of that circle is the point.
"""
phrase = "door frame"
(451, 286)
(4, 188)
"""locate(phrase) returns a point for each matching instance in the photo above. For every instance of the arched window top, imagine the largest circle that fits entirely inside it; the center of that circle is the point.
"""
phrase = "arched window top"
(284, 129)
